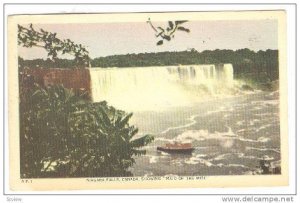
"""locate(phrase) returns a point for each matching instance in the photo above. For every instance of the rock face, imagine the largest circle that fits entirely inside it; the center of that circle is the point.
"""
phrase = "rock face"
(77, 79)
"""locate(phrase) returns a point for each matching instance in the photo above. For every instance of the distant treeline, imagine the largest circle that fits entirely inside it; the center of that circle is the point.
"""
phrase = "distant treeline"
(59, 63)
(260, 66)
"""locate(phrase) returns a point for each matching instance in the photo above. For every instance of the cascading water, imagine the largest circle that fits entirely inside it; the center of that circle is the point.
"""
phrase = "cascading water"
(154, 88)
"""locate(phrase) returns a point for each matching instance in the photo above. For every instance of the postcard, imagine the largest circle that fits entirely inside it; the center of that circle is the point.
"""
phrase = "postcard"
(147, 100)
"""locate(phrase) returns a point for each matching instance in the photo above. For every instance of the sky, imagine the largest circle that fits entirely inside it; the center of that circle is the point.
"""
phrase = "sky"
(104, 39)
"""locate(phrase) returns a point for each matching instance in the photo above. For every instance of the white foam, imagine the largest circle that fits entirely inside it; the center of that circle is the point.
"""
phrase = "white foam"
(267, 158)
(242, 130)
(263, 139)
(240, 122)
(200, 135)
(231, 165)
(263, 149)
(266, 102)
(192, 122)
(263, 127)
(236, 165)
(239, 155)
(209, 162)
(176, 162)
(201, 155)
(191, 135)
(257, 108)
(221, 157)
(153, 159)
(260, 139)
(164, 154)
(163, 139)
(227, 138)
(148, 174)
(272, 102)
(242, 155)
(197, 160)
(192, 160)
(220, 109)
(252, 122)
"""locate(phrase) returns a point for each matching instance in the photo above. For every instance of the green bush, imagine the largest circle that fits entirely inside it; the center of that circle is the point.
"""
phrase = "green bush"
(62, 135)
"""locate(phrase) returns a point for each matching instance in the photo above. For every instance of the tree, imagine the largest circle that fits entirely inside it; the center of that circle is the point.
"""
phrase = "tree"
(29, 37)
(63, 135)
(166, 34)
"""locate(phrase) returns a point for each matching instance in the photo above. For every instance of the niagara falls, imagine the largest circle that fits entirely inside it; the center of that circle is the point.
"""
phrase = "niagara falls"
(231, 129)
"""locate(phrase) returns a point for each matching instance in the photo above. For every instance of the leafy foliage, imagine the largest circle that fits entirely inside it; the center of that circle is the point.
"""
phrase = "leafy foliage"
(58, 63)
(63, 135)
(29, 37)
(166, 34)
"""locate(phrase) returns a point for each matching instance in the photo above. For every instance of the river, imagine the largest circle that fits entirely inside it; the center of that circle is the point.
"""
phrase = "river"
(230, 136)
(230, 129)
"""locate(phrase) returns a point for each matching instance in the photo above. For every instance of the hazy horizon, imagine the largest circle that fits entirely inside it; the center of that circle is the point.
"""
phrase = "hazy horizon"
(156, 53)
(107, 39)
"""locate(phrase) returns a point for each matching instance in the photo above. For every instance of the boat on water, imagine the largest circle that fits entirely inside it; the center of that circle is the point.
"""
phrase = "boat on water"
(184, 148)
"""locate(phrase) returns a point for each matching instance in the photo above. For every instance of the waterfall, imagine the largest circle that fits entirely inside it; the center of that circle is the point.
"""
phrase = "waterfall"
(154, 88)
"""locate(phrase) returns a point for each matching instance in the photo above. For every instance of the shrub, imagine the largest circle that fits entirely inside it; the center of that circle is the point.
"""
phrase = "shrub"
(62, 135)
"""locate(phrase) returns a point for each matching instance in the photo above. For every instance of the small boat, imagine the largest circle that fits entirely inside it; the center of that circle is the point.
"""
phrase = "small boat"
(184, 148)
